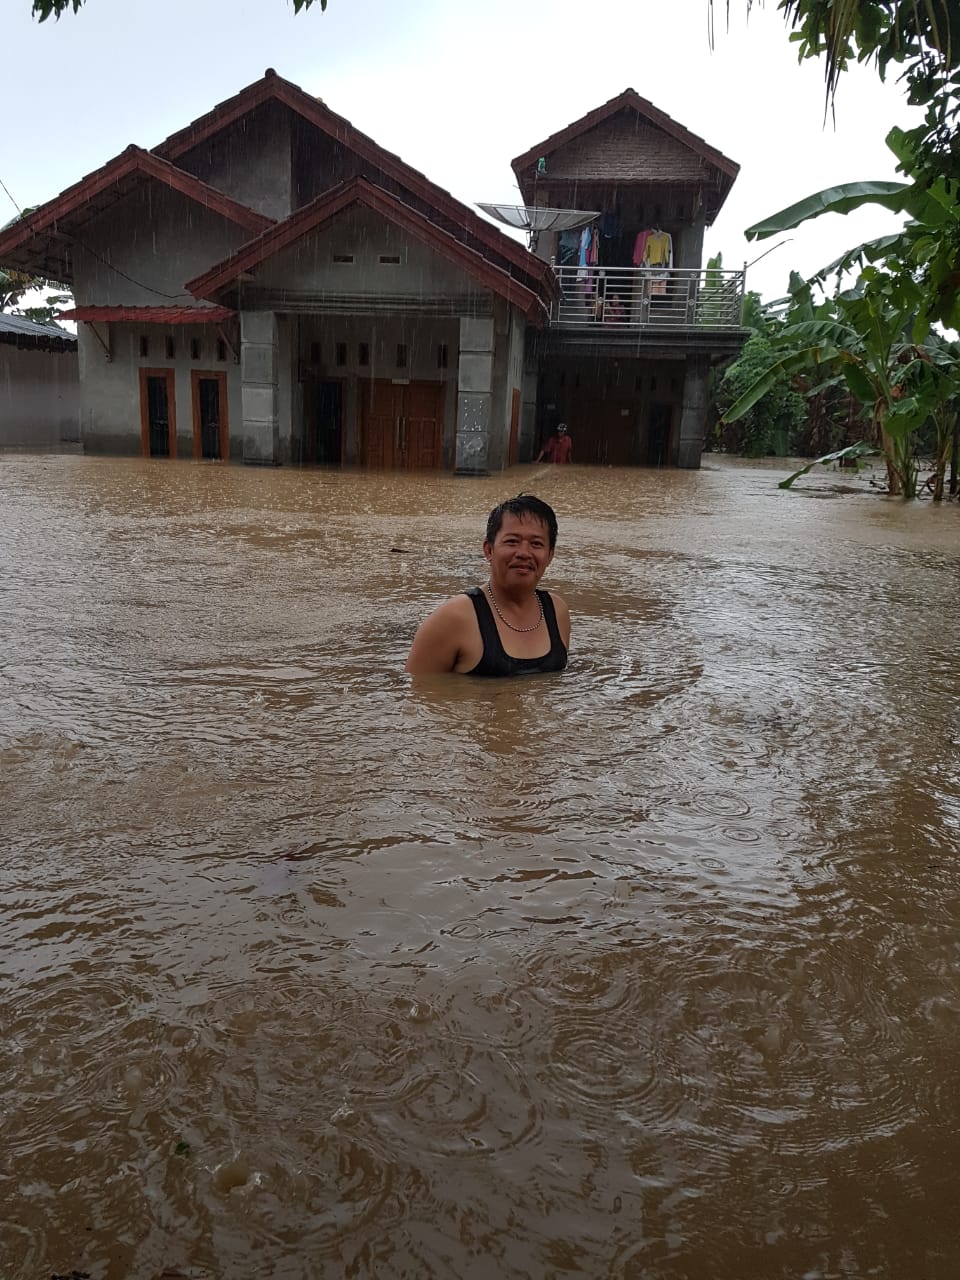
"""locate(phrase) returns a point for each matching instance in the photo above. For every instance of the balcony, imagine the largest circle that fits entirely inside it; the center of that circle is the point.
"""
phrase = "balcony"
(623, 302)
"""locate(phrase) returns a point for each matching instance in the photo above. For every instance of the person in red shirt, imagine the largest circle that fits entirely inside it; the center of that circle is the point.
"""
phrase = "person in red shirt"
(559, 448)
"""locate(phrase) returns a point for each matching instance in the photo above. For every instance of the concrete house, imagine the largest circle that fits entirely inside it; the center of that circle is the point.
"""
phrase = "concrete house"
(270, 285)
(39, 385)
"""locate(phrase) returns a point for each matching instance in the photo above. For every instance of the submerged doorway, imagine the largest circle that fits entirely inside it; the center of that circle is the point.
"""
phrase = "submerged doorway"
(323, 445)
(658, 435)
(158, 414)
(211, 438)
(401, 426)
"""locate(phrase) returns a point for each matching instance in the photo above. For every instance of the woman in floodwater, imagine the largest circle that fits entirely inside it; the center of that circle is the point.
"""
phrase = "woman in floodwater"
(508, 627)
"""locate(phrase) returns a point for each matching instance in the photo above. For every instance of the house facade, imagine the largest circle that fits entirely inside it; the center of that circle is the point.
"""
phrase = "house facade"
(270, 286)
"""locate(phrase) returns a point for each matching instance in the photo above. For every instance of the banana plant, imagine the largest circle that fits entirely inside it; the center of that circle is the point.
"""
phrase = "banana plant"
(927, 249)
(866, 340)
(945, 356)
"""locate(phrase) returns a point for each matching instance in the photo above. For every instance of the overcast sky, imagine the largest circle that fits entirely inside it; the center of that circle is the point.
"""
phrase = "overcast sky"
(457, 88)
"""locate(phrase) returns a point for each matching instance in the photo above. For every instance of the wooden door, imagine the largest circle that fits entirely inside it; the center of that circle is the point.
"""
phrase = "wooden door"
(158, 414)
(401, 426)
(380, 412)
(421, 426)
(211, 438)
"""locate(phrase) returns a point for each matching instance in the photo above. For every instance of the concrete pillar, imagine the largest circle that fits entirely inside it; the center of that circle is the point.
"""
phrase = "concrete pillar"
(693, 414)
(260, 392)
(475, 395)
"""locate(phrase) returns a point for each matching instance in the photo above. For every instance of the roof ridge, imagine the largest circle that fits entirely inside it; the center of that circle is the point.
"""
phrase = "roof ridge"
(276, 87)
(629, 98)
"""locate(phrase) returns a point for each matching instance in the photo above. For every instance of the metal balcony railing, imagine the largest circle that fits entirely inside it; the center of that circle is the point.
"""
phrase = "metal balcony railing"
(631, 298)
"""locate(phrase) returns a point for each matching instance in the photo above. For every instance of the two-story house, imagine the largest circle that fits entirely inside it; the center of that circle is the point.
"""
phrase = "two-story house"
(625, 358)
(270, 285)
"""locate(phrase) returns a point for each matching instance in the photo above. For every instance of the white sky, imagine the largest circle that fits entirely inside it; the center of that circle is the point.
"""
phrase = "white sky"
(457, 88)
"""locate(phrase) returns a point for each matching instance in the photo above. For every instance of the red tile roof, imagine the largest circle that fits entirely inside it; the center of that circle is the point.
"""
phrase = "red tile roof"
(513, 256)
(33, 241)
(151, 315)
(359, 191)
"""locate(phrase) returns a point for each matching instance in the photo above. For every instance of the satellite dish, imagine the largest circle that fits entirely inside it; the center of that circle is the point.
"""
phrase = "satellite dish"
(534, 218)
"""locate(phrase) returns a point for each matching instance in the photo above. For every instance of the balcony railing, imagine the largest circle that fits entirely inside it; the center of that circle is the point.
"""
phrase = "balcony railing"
(632, 298)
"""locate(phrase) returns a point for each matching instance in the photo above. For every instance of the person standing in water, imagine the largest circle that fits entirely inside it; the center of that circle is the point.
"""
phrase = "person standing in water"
(559, 448)
(508, 627)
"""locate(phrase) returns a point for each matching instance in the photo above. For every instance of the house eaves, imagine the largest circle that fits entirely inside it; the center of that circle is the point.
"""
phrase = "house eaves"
(42, 242)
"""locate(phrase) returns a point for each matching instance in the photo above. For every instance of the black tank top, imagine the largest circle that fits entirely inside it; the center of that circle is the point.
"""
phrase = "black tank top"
(496, 661)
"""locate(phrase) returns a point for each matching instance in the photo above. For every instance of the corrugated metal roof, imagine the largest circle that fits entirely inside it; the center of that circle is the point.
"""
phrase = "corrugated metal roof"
(18, 331)
(21, 325)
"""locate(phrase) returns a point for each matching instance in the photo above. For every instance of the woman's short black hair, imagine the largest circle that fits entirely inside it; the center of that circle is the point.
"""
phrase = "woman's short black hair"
(524, 506)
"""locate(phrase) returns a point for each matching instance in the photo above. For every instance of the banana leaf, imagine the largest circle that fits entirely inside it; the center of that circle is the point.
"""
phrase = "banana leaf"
(842, 199)
(859, 450)
(858, 383)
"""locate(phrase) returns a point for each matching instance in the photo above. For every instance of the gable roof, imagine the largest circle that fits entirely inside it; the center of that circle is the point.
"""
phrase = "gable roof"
(360, 191)
(37, 242)
(629, 100)
(465, 223)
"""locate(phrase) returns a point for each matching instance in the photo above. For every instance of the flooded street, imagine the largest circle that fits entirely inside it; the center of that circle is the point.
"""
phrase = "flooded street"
(647, 970)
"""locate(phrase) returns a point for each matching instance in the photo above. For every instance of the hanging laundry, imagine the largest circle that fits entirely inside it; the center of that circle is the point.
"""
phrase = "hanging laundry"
(659, 249)
(658, 254)
(584, 245)
(640, 248)
(610, 225)
(568, 248)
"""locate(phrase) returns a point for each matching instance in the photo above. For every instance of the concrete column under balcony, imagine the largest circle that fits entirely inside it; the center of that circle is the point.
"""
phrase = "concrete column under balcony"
(260, 391)
(475, 395)
(693, 413)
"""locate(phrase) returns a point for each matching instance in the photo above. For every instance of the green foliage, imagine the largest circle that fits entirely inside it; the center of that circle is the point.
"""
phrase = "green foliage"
(924, 255)
(917, 39)
(770, 422)
(755, 313)
(43, 9)
(864, 337)
(15, 284)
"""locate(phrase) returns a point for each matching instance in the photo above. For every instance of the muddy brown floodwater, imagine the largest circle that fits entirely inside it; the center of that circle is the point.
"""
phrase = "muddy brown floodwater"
(649, 970)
